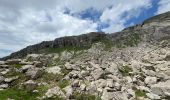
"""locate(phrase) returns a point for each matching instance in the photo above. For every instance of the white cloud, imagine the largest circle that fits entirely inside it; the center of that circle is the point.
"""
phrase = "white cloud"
(28, 22)
(115, 16)
(164, 6)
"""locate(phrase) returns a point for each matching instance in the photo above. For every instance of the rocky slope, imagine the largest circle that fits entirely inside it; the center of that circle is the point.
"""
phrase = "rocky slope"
(133, 64)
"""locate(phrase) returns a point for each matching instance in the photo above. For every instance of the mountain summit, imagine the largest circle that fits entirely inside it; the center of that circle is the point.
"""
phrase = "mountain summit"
(133, 64)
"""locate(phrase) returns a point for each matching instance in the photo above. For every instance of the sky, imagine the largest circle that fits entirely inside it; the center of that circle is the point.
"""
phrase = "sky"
(27, 22)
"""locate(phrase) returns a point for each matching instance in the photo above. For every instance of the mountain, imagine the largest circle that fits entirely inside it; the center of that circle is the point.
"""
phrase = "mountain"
(152, 30)
(133, 64)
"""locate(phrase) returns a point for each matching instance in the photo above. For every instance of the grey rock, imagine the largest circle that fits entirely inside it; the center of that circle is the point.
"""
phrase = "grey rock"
(161, 88)
(97, 73)
(9, 80)
(26, 67)
(150, 80)
(56, 91)
(30, 85)
(34, 73)
(153, 96)
(1, 79)
(54, 70)
(4, 86)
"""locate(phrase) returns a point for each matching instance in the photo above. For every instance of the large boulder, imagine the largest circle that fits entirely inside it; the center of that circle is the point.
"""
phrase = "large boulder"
(150, 80)
(11, 79)
(69, 91)
(2, 62)
(162, 88)
(30, 85)
(113, 96)
(54, 70)
(65, 55)
(26, 67)
(1, 79)
(153, 96)
(13, 61)
(34, 73)
(56, 91)
(97, 73)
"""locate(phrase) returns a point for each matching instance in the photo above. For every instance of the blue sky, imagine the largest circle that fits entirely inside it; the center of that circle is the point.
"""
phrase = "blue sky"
(29, 22)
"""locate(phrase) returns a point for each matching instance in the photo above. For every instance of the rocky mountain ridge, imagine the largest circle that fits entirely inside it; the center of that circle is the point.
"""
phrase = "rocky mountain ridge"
(133, 64)
(151, 30)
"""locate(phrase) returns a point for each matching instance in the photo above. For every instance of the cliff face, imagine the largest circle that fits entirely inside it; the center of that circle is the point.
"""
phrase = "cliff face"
(153, 30)
(84, 40)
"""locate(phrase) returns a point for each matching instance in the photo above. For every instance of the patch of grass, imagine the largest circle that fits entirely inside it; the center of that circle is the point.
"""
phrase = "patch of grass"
(63, 83)
(61, 49)
(128, 41)
(140, 93)
(47, 77)
(17, 65)
(42, 89)
(54, 98)
(17, 94)
(83, 96)
(125, 70)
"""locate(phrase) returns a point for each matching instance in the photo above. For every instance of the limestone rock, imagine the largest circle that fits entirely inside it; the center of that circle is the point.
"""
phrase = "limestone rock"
(54, 70)
(34, 73)
(161, 88)
(30, 85)
(69, 91)
(1, 79)
(153, 96)
(150, 80)
(54, 92)
(97, 73)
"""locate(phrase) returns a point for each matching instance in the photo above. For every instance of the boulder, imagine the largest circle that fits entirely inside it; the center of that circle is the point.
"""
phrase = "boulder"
(113, 95)
(30, 85)
(150, 80)
(33, 57)
(54, 70)
(109, 83)
(153, 96)
(56, 91)
(9, 80)
(65, 55)
(26, 67)
(82, 87)
(161, 88)
(84, 73)
(34, 73)
(13, 61)
(38, 64)
(71, 66)
(97, 73)
(69, 91)
(4, 86)
(2, 62)
(113, 69)
(76, 83)
(1, 79)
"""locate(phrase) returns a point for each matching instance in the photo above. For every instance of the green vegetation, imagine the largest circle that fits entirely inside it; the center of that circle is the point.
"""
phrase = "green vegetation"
(140, 93)
(51, 77)
(17, 94)
(63, 83)
(17, 65)
(83, 96)
(125, 70)
(61, 49)
(128, 41)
